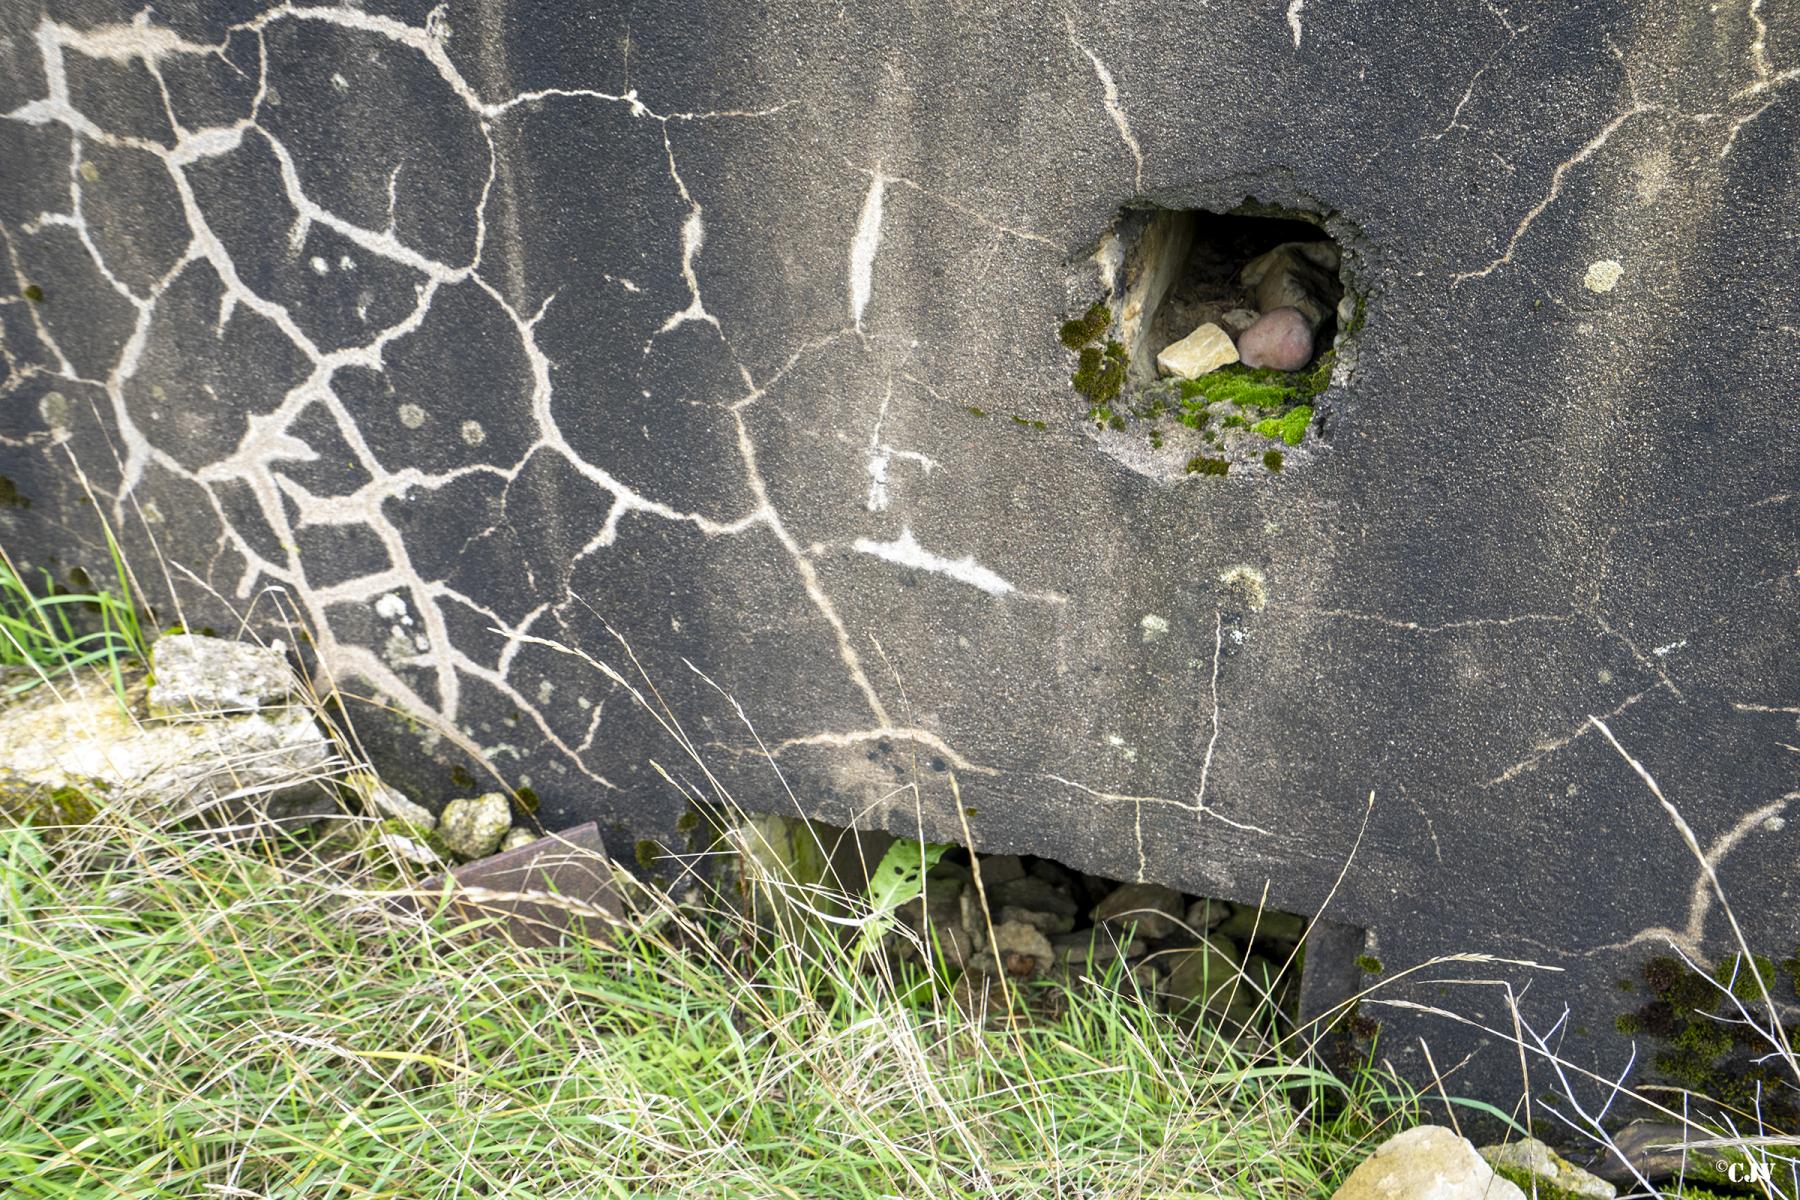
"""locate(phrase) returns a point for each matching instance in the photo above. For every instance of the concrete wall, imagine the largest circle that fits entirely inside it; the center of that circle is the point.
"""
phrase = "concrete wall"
(480, 329)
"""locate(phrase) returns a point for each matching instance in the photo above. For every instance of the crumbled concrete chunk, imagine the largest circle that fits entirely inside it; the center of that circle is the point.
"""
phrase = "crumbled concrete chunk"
(1300, 275)
(1556, 1174)
(473, 827)
(199, 676)
(390, 802)
(1206, 349)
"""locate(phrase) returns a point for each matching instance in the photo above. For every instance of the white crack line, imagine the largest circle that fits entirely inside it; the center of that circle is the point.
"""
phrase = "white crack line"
(905, 551)
(267, 440)
(859, 737)
(1114, 109)
(863, 247)
(880, 455)
(1588, 149)
(1544, 750)
(1691, 937)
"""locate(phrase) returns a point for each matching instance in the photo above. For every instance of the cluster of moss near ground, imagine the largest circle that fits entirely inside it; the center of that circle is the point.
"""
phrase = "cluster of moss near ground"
(1275, 404)
(1703, 1043)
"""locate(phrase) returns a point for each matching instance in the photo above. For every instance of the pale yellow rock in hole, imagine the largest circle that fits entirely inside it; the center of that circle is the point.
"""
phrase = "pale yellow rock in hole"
(1206, 349)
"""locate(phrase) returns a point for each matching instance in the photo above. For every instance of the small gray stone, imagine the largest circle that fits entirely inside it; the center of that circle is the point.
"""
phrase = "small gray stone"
(411, 849)
(1236, 320)
(1093, 948)
(1154, 909)
(1054, 874)
(1282, 338)
(1200, 976)
(1033, 893)
(1425, 1163)
(389, 802)
(1048, 923)
(1264, 924)
(1558, 1175)
(997, 869)
(1205, 915)
(973, 918)
(199, 676)
(1021, 950)
(472, 827)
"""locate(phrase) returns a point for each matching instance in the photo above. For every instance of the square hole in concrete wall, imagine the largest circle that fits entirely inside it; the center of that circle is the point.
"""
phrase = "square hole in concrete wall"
(1215, 336)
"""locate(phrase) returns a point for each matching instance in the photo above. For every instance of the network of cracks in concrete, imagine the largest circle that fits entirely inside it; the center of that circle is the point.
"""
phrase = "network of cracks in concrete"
(1213, 339)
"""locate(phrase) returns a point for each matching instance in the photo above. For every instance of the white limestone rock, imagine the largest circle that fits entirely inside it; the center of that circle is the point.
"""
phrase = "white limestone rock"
(80, 734)
(1206, 349)
(198, 677)
(517, 836)
(1426, 1163)
(1555, 1174)
(473, 827)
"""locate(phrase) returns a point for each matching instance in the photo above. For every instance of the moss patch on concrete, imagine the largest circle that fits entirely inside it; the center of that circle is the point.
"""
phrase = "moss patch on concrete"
(1703, 1042)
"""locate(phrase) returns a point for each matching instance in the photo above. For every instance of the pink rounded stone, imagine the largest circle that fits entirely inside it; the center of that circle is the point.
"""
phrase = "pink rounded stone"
(1280, 338)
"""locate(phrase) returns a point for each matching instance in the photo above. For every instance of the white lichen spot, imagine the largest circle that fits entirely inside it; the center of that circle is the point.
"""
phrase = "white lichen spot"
(339, 82)
(1118, 743)
(392, 607)
(346, 263)
(1602, 276)
(411, 416)
(545, 687)
(1250, 584)
(1775, 824)
(54, 408)
(472, 433)
(1153, 626)
(1603, 675)
(90, 172)
(320, 265)
(1665, 651)
(1293, 19)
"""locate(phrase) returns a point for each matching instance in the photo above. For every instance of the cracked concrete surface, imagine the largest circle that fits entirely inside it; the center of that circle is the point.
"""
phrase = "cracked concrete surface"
(500, 350)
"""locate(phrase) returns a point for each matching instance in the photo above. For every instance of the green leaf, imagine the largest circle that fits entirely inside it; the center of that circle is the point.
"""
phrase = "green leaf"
(900, 876)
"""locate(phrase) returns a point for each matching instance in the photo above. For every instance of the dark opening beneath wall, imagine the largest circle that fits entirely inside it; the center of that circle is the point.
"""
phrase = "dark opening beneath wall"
(1216, 334)
(976, 920)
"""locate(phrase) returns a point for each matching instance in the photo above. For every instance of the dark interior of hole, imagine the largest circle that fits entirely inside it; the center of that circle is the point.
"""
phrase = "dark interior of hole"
(1104, 928)
(1098, 931)
(1221, 244)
